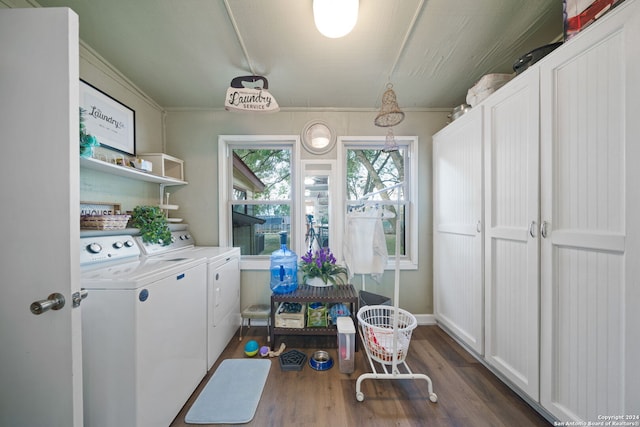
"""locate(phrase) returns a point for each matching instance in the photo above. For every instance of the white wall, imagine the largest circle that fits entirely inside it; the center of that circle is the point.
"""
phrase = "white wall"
(100, 187)
(193, 137)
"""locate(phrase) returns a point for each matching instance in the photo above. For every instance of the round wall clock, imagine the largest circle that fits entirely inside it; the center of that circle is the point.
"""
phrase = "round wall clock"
(318, 137)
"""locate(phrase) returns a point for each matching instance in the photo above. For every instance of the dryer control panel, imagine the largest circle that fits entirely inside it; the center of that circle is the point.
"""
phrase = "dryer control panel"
(179, 240)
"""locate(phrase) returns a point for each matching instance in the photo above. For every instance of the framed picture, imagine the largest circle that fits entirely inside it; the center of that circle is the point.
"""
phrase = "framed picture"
(110, 121)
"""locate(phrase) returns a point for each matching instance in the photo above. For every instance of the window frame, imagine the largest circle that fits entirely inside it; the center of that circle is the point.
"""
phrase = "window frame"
(226, 145)
(409, 261)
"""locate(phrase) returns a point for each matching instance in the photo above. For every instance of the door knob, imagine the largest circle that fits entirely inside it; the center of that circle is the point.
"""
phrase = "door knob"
(54, 302)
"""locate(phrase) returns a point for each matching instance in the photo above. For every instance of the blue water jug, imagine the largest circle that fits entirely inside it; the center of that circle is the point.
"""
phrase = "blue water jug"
(284, 269)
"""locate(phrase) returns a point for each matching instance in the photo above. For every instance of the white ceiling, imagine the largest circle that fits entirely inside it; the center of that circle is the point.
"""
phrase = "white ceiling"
(184, 53)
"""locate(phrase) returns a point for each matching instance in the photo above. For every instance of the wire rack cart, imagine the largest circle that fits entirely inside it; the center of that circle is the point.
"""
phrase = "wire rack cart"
(385, 332)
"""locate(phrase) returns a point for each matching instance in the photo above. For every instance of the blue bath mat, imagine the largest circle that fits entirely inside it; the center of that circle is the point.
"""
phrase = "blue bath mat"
(232, 394)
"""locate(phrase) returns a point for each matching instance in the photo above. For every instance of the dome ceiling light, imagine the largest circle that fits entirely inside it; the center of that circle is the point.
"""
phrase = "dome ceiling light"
(335, 18)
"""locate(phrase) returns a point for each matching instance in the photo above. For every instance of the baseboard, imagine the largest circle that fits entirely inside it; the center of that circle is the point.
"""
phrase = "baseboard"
(426, 319)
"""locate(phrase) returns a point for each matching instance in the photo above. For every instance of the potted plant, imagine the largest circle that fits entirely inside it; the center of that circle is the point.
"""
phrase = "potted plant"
(152, 223)
(87, 141)
(320, 269)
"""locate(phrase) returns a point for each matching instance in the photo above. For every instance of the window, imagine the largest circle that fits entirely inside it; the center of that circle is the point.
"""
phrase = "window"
(384, 182)
(257, 176)
(266, 190)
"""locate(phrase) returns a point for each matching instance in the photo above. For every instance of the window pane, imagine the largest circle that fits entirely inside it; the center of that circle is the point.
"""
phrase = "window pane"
(264, 173)
(257, 228)
(371, 170)
(261, 174)
(316, 211)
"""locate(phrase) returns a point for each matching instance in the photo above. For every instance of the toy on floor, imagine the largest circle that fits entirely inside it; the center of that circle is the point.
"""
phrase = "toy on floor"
(251, 348)
(273, 353)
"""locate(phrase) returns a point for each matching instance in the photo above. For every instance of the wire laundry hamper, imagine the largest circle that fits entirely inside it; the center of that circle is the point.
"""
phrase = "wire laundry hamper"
(377, 323)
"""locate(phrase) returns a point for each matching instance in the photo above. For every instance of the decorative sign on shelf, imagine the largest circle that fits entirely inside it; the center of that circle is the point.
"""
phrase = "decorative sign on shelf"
(250, 94)
(110, 121)
(99, 208)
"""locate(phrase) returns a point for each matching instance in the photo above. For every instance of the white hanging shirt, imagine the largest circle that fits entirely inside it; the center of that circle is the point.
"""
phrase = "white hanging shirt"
(365, 247)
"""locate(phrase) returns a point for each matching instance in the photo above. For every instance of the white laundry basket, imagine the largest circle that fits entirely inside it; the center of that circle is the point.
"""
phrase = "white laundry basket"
(376, 322)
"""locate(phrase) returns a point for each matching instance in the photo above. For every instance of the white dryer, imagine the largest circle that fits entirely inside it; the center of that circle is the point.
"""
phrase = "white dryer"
(223, 286)
(143, 331)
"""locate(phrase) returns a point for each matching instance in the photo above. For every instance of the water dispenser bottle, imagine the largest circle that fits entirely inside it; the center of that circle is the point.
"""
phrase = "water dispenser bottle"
(284, 268)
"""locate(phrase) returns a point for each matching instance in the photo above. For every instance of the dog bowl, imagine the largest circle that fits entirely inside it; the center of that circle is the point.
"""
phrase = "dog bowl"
(320, 361)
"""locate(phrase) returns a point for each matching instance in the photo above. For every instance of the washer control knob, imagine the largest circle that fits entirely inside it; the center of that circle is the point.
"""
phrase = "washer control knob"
(94, 248)
(128, 243)
(118, 245)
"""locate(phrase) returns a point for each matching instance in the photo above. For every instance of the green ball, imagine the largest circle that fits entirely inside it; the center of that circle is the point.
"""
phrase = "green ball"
(251, 348)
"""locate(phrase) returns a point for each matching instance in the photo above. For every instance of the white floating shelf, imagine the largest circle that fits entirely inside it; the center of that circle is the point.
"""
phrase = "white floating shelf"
(169, 207)
(128, 172)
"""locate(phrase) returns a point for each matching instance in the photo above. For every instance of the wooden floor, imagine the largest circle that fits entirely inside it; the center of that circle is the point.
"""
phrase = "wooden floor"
(468, 394)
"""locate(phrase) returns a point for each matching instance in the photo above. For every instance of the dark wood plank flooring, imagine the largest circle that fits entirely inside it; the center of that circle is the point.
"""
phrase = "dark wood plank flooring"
(468, 394)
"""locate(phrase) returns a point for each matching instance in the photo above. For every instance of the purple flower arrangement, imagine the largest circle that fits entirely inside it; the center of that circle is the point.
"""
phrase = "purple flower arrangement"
(322, 264)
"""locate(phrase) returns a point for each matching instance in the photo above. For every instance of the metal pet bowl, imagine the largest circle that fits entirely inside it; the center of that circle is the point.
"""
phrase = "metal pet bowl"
(321, 361)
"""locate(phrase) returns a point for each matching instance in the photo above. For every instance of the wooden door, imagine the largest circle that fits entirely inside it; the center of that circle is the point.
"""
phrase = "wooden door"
(511, 234)
(590, 99)
(457, 228)
(40, 355)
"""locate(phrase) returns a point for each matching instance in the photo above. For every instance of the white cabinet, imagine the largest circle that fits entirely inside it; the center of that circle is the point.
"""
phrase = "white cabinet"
(562, 233)
(511, 143)
(590, 208)
(457, 230)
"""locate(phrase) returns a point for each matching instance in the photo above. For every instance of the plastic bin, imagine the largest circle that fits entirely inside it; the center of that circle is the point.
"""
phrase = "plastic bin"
(346, 344)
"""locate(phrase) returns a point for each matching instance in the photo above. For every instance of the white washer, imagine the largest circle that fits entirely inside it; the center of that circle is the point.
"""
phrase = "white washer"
(143, 331)
(223, 286)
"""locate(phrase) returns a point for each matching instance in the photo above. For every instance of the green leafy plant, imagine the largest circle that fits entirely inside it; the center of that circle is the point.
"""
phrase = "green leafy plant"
(152, 224)
(87, 141)
(322, 264)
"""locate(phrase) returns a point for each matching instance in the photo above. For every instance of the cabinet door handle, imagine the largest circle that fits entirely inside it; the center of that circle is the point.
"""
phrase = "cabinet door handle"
(479, 226)
(543, 229)
(532, 229)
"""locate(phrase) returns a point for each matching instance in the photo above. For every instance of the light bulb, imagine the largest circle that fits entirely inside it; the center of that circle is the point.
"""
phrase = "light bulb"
(335, 18)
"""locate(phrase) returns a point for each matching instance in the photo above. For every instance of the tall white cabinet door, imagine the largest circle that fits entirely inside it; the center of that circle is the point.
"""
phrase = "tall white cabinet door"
(511, 266)
(457, 234)
(590, 248)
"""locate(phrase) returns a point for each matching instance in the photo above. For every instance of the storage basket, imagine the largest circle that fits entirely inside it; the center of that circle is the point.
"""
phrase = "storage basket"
(376, 323)
(287, 319)
(104, 222)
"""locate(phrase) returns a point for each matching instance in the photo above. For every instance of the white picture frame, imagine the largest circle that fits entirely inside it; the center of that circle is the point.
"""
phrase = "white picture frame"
(111, 122)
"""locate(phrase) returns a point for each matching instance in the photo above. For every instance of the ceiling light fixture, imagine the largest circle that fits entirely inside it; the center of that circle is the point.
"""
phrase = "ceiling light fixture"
(390, 143)
(335, 18)
(390, 114)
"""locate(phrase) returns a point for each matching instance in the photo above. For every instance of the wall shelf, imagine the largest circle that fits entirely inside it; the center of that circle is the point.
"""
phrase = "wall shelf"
(125, 171)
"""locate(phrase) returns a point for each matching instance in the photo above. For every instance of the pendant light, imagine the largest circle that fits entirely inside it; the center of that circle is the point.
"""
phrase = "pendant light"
(390, 114)
(335, 18)
(390, 143)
